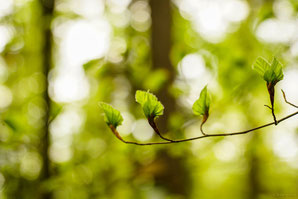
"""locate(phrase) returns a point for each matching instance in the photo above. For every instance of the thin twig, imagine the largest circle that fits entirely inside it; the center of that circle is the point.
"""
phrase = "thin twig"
(203, 136)
(270, 88)
(170, 141)
(268, 107)
(154, 126)
(274, 117)
(272, 111)
(205, 117)
(115, 132)
(284, 95)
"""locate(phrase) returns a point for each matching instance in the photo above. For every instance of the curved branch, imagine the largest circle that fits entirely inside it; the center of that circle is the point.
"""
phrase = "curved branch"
(115, 132)
(254, 129)
(284, 95)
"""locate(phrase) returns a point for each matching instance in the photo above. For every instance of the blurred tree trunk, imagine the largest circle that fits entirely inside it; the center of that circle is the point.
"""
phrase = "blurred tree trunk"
(254, 169)
(47, 15)
(161, 46)
(175, 177)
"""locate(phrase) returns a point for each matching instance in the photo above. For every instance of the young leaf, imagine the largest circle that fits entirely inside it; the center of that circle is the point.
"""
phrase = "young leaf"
(270, 73)
(261, 66)
(150, 104)
(276, 74)
(112, 116)
(202, 105)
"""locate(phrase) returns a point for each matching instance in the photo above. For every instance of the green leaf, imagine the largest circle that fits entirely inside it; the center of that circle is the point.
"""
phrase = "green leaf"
(150, 104)
(112, 116)
(202, 105)
(261, 66)
(270, 73)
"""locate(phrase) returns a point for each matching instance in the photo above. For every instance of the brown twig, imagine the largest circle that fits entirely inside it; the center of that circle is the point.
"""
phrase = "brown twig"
(205, 117)
(170, 141)
(270, 88)
(154, 126)
(273, 114)
(116, 133)
(203, 136)
(284, 95)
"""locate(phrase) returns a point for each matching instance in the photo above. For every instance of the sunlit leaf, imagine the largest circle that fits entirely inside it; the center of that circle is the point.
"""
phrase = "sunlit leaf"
(150, 104)
(202, 105)
(112, 116)
(277, 73)
(270, 73)
(261, 66)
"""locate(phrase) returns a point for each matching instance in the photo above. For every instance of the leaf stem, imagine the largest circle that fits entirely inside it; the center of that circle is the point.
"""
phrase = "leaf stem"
(270, 87)
(154, 126)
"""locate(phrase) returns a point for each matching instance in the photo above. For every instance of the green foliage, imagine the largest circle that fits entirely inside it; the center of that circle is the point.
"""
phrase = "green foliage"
(202, 105)
(92, 63)
(150, 104)
(270, 73)
(99, 166)
(112, 116)
(156, 79)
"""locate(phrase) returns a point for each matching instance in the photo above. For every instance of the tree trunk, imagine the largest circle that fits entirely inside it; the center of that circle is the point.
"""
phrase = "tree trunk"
(161, 46)
(175, 177)
(47, 14)
(254, 170)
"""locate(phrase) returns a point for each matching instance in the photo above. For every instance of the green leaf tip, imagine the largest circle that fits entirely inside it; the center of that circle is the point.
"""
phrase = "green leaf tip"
(112, 116)
(271, 73)
(202, 105)
(151, 106)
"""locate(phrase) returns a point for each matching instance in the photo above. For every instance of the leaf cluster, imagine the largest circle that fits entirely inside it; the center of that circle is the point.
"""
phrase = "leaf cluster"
(271, 73)
(153, 108)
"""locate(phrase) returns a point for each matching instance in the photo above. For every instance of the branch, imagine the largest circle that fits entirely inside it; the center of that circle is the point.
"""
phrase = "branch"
(284, 95)
(115, 132)
(170, 141)
(270, 88)
(273, 114)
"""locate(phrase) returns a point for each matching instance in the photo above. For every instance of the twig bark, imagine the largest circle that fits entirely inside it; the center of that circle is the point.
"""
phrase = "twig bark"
(285, 98)
(200, 137)
(205, 135)
(270, 88)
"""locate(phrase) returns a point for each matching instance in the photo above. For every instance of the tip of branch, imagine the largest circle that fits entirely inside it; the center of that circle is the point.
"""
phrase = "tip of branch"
(268, 107)
(285, 98)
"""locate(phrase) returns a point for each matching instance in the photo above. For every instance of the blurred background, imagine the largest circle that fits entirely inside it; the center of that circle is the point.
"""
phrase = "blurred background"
(59, 58)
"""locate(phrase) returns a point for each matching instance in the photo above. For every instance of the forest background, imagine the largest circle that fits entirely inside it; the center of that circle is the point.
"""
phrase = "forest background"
(59, 58)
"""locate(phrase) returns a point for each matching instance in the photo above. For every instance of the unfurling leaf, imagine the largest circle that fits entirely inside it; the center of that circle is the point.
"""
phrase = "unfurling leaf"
(112, 116)
(270, 73)
(202, 105)
(150, 104)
